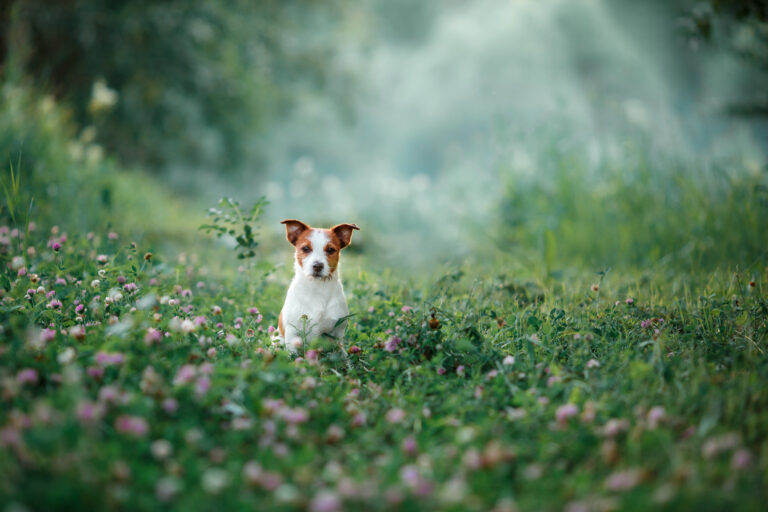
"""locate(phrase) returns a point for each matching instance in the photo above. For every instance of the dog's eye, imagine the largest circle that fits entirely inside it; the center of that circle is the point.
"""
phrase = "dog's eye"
(306, 249)
(330, 250)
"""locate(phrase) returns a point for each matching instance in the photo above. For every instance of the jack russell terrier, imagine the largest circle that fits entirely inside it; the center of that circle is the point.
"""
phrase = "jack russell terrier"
(315, 302)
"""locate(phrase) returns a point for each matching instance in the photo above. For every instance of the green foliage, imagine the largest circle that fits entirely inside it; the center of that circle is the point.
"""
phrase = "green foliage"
(643, 208)
(133, 376)
(168, 84)
(232, 222)
(134, 382)
(56, 175)
(739, 27)
(11, 191)
(46, 163)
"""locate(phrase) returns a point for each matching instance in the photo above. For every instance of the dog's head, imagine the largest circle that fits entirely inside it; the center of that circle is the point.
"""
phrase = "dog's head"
(317, 250)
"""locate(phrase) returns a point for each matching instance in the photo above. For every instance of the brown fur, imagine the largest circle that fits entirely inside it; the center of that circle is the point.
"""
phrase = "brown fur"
(334, 246)
(297, 233)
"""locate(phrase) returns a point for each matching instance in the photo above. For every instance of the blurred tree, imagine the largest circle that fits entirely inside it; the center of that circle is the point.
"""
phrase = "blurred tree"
(177, 83)
(406, 22)
(741, 27)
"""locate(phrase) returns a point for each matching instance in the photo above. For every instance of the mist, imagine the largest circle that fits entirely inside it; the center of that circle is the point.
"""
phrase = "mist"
(474, 96)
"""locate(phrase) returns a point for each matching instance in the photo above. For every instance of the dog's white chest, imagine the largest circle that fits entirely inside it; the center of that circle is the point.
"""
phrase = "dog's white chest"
(321, 302)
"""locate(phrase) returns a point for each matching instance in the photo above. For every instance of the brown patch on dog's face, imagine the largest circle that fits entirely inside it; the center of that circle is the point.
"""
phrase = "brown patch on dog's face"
(303, 247)
(332, 250)
(317, 250)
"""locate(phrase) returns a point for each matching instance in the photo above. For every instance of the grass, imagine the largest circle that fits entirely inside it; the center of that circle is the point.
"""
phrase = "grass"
(56, 173)
(522, 379)
(470, 390)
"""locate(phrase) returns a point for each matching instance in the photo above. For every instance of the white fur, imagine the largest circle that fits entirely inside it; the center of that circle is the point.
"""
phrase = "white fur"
(318, 239)
(320, 299)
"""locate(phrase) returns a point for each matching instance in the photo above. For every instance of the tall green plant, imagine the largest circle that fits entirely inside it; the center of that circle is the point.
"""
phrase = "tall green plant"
(230, 220)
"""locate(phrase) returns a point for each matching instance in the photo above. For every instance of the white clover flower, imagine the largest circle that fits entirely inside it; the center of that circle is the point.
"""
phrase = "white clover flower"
(161, 449)
(66, 356)
(188, 325)
(175, 324)
(166, 488)
(17, 262)
(215, 480)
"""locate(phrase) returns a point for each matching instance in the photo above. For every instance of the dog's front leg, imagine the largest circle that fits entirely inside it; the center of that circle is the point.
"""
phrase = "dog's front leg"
(292, 339)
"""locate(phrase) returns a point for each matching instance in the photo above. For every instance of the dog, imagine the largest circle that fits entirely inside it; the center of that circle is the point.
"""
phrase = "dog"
(315, 303)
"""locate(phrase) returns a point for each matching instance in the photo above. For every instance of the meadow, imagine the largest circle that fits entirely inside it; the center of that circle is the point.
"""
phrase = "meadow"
(139, 371)
(569, 312)
(139, 379)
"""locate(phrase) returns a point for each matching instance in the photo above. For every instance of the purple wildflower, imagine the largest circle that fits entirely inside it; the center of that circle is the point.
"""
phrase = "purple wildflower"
(89, 412)
(395, 415)
(170, 405)
(184, 375)
(97, 372)
(294, 416)
(741, 459)
(153, 336)
(325, 501)
(202, 386)
(655, 416)
(623, 480)
(109, 358)
(132, 425)
(409, 446)
(565, 412)
(27, 376)
(392, 343)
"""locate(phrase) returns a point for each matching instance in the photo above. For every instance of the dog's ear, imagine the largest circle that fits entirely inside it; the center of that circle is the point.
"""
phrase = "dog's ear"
(294, 229)
(344, 232)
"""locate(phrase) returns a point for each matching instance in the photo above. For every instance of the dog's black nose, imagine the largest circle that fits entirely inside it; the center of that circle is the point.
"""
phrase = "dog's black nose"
(318, 267)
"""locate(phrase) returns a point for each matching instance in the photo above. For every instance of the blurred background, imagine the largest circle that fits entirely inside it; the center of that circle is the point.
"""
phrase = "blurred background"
(570, 132)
